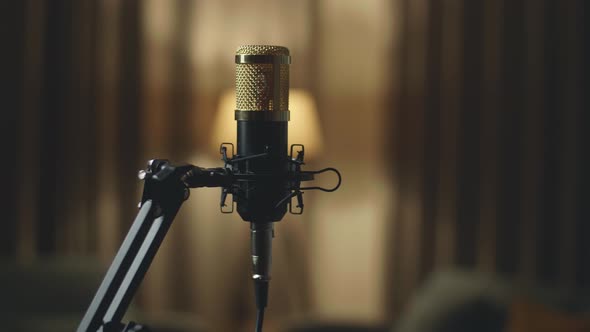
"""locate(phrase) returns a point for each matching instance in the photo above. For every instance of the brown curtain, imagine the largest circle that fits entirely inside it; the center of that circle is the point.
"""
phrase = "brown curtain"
(96, 89)
(69, 58)
(77, 119)
(490, 160)
(487, 132)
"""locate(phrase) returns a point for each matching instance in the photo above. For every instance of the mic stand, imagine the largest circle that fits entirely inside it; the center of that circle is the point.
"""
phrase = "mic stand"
(164, 192)
(166, 187)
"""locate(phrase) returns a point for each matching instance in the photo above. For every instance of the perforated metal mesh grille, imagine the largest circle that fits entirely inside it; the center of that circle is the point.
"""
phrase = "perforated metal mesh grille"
(262, 50)
(255, 82)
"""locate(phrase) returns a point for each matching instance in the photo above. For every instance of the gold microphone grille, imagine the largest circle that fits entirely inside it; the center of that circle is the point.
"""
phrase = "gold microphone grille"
(262, 50)
(257, 88)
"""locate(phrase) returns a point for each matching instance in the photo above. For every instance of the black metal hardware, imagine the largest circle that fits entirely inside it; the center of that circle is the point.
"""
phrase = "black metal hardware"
(166, 187)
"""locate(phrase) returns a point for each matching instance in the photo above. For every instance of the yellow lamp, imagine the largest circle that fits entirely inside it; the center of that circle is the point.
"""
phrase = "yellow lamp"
(304, 127)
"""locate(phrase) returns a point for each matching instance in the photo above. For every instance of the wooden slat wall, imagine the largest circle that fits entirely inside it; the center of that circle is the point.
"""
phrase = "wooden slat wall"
(63, 113)
(579, 83)
(13, 100)
(489, 138)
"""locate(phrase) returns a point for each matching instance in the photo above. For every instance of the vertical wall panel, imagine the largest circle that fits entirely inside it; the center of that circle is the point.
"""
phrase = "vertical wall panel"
(29, 127)
(410, 149)
(582, 250)
(399, 156)
(69, 142)
(53, 104)
(89, 75)
(468, 164)
(413, 200)
(129, 109)
(509, 136)
(489, 147)
(451, 78)
(108, 235)
(570, 62)
(78, 140)
(549, 234)
(432, 118)
(532, 162)
(13, 66)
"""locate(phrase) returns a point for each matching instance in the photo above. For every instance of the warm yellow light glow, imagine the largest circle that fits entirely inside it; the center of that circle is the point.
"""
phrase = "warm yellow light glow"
(304, 127)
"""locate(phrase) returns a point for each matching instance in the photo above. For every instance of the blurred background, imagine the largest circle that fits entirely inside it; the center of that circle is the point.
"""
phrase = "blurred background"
(459, 127)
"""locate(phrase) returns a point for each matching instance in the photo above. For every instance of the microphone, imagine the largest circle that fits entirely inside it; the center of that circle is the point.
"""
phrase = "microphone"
(262, 179)
(262, 115)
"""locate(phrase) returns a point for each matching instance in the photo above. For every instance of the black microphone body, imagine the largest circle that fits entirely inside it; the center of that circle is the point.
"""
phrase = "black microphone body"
(258, 201)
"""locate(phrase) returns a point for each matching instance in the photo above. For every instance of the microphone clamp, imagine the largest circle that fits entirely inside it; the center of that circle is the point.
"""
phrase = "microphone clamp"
(292, 178)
